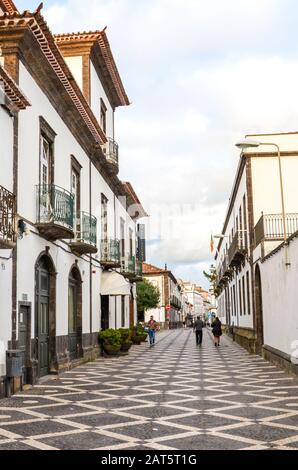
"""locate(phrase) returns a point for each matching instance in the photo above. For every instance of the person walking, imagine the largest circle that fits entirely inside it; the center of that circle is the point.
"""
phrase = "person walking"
(152, 325)
(198, 329)
(217, 331)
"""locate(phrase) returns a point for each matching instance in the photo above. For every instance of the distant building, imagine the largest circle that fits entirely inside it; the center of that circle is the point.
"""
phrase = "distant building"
(198, 298)
(169, 312)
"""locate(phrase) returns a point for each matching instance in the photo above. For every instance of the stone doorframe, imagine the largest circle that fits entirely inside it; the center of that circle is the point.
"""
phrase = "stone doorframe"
(53, 361)
(29, 362)
(75, 274)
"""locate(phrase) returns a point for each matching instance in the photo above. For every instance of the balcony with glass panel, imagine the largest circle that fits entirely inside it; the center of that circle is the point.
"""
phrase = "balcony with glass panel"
(85, 241)
(111, 152)
(128, 266)
(110, 253)
(55, 212)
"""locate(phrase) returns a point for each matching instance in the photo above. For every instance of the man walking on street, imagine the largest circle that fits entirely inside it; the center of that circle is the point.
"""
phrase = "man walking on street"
(152, 325)
(198, 329)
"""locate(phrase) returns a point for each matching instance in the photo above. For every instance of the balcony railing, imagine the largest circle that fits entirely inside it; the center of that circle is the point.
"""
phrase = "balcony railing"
(237, 250)
(224, 271)
(86, 235)
(271, 227)
(111, 151)
(175, 302)
(110, 253)
(128, 265)
(139, 268)
(7, 219)
(55, 212)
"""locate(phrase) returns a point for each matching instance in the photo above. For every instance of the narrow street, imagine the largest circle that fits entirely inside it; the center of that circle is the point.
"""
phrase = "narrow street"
(173, 396)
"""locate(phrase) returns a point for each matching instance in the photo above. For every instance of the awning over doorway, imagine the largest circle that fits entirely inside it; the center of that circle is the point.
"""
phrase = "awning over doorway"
(112, 283)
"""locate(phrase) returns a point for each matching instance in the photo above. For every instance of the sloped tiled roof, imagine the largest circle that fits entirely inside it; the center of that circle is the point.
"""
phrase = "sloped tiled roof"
(106, 56)
(133, 200)
(12, 91)
(150, 269)
(36, 23)
(8, 6)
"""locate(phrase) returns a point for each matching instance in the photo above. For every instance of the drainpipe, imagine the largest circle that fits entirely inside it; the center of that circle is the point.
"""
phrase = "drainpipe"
(237, 299)
(90, 257)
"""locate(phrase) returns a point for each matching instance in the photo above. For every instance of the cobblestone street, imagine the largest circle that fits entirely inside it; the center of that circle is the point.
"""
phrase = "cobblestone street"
(175, 395)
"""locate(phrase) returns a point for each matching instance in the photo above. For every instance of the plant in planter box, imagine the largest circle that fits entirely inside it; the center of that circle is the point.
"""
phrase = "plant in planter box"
(111, 341)
(126, 342)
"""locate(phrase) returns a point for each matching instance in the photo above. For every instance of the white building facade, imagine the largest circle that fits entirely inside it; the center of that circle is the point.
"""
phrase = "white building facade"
(73, 266)
(195, 298)
(247, 276)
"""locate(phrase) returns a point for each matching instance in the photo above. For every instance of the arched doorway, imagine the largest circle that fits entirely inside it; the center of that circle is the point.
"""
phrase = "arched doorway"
(75, 314)
(45, 315)
(259, 309)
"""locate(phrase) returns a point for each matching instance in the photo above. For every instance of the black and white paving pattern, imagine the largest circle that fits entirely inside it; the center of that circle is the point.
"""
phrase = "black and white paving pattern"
(173, 396)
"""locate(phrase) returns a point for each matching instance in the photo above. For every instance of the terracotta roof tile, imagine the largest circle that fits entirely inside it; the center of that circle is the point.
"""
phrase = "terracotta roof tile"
(150, 269)
(8, 6)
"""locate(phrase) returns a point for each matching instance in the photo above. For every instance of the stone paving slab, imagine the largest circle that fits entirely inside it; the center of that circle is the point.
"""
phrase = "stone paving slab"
(173, 396)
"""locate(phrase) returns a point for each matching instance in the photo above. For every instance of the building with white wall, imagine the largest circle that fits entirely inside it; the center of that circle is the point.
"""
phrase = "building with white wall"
(169, 311)
(72, 268)
(252, 230)
(278, 304)
(12, 101)
(195, 298)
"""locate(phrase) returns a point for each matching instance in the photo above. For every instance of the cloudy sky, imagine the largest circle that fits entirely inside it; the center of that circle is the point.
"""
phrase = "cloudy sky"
(200, 75)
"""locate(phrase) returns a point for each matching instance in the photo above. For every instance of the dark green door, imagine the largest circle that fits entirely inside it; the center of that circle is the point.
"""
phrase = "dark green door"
(42, 317)
(105, 312)
(24, 338)
(72, 320)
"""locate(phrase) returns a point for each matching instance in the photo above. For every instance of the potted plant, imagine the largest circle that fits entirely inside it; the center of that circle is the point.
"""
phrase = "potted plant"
(136, 335)
(141, 332)
(126, 342)
(111, 341)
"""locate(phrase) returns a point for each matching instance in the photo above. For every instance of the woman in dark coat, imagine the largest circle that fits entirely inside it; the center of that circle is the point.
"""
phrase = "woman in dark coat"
(217, 331)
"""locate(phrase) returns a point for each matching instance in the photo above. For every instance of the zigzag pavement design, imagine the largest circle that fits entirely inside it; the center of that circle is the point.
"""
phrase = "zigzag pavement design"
(174, 396)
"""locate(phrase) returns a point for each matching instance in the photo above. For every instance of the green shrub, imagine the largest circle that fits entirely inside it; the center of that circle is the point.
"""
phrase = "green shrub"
(140, 329)
(110, 337)
(125, 335)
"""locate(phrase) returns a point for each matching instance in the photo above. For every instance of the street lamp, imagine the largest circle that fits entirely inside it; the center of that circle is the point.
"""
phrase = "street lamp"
(221, 236)
(248, 143)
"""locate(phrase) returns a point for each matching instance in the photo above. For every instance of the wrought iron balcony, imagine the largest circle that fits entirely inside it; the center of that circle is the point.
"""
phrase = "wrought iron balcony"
(128, 266)
(110, 253)
(55, 212)
(175, 302)
(237, 250)
(225, 272)
(271, 228)
(111, 152)
(85, 241)
(7, 219)
(137, 276)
